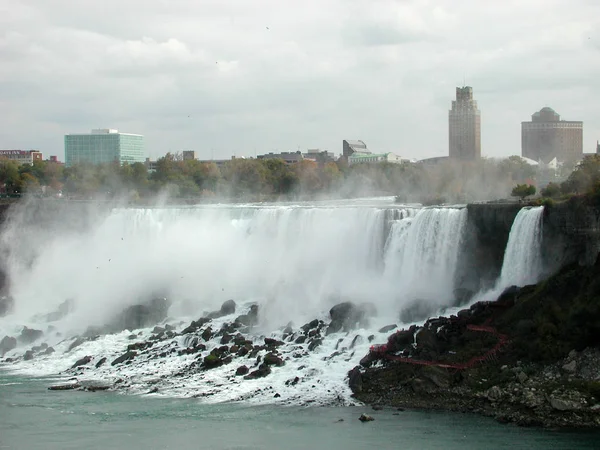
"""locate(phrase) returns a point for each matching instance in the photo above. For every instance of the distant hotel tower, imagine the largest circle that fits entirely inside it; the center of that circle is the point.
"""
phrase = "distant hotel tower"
(465, 126)
(547, 137)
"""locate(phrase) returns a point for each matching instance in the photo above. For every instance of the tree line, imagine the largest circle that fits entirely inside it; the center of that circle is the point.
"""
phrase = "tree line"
(270, 179)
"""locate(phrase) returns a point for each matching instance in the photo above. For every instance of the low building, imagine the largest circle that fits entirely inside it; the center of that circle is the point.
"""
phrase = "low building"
(22, 156)
(365, 158)
(350, 147)
(288, 157)
(189, 155)
(102, 146)
(321, 157)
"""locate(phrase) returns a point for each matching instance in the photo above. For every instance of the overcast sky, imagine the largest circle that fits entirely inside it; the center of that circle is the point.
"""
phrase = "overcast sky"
(227, 77)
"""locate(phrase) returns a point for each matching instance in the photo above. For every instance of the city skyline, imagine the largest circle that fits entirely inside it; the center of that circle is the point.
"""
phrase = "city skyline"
(226, 79)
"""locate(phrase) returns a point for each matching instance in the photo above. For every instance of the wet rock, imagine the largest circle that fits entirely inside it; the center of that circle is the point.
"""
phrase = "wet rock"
(277, 395)
(101, 362)
(300, 339)
(207, 334)
(371, 338)
(243, 351)
(347, 316)
(7, 344)
(313, 344)
(368, 360)
(82, 362)
(269, 342)
(358, 339)
(29, 335)
(365, 418)
(64, 387)
(249, 319)
(226, 338)
(272, 359)
(211, 361)
(262, 371)
(139, 346)
(387, 328)
(158, 330)
(242, 370)
(227, 308)
(76, 343)
(124, 357)
(400, 340)
(28, 356)
(7, 304)
(48, 351)
(310, 325)
(355, 380)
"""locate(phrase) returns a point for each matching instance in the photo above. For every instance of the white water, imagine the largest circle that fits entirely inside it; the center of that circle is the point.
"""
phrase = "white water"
(294, 261)
(522, 263)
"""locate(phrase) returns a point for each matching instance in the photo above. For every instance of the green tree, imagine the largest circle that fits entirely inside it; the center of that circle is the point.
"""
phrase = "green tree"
(523, 190)
(552, 190)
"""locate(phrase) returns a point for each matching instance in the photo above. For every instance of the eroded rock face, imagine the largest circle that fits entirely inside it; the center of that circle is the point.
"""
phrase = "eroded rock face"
(7, 344)
(29, 335)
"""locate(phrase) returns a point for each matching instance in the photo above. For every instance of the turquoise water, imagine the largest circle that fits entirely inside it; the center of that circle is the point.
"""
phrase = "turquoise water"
(31, 417)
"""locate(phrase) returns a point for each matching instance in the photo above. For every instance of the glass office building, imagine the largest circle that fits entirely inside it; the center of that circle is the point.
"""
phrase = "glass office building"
(104, 146)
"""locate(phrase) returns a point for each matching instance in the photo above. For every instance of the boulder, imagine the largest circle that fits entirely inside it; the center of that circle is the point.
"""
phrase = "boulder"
(365, 418)
(28, 356)
(272, 359)
(211, 361)
(76, 343)
(207, 334)
(82, 362)
(347, 316)
(401, 339)
(48, 351)
(313, 344)
(7, 304)
(101, 362)
(387, 328)
(355, 380)
(262, 371)
(29, 335)
(358, 339)
(269, 342)
(64, 387)
(570, 367)
(124, 357)
(242, 370)
(310, 325)
(7, 344)
(227, 308)
(249, 319)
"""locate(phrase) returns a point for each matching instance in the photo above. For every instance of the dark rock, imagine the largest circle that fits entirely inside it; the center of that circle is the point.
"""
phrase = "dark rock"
(401, 339)
(226, 338)
(76, 343)
(377, 407)
(207, 334)
(64, 387)
(139, 346)
(99, 363)
(365, 418)
(124, 357)
(29, 335)
(347, 316)
(314, 344)
(356, 341)
(243, 351)
(7, 344)
(310, 325)
(276, 395)
(249, 319)
(272, 359)
(211, 361)
(371, 338)
(82, 362)
(158, 330)
(242, 370)
(355, 380)
(227, 308)
(7, 304)
(48, 351)
(169, 327)
(28, 356)
(300, 340)
(272, 342)
(262, 371)
(387, 328)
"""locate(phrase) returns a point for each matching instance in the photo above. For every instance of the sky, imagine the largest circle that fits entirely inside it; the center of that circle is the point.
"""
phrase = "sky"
(240, 77)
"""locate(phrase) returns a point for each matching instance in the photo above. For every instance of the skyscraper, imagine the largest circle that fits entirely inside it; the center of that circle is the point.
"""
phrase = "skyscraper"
(547, 137)
(103, 146)
(464, 122)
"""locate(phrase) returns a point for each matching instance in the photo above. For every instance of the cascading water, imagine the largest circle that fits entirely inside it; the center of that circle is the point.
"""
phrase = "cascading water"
(295, 262)
(522, 263)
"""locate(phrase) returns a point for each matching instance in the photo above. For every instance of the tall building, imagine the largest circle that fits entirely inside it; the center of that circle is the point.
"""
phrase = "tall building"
(104, 146)
(464, 121)
(547, 137)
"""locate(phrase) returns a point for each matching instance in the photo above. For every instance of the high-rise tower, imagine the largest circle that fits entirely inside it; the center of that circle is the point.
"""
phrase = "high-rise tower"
(464, 121)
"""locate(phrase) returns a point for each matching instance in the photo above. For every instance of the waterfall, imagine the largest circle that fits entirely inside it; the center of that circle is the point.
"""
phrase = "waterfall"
(423, 251)
(522, 263)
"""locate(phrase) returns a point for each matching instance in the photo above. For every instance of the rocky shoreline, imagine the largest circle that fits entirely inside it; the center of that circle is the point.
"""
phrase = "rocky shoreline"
(547, 374)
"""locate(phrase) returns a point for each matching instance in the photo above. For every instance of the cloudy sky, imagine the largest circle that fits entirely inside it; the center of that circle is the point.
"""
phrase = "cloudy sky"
(241, 77)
